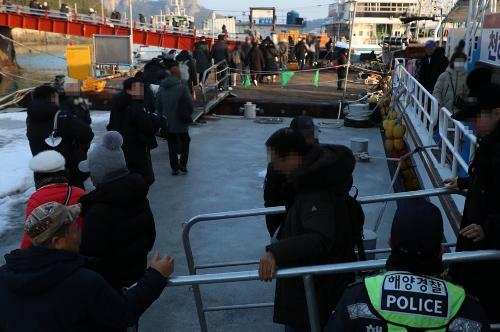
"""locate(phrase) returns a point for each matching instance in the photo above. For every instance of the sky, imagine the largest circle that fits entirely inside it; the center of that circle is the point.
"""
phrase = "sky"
(309, 9)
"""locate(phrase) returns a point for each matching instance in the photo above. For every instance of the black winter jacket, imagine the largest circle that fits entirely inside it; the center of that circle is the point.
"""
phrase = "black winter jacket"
(274, 195)
(220, 51)
(342, 71)
(153, 73)
(76, 135)
(482, 207)
(119, 229)
(201, 54)
(317, 230)
(300, 50)
(138, 129)
(256, 59)
(48, 290)
(430, 69)
(354, 313)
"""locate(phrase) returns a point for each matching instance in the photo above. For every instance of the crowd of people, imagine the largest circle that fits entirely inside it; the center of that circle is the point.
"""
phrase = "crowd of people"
(262, 59)
(82, 262)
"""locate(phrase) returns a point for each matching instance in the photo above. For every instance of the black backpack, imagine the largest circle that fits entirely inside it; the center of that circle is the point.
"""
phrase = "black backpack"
(184, 108)
(357, 218)
(355, 221)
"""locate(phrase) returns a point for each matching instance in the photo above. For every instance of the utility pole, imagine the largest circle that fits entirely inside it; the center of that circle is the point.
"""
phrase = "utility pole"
(352, 11)
(131, 36)
(102, 11)
(213, 28)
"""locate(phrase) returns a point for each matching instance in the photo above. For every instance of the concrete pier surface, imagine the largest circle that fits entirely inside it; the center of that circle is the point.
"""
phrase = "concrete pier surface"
(226, 165)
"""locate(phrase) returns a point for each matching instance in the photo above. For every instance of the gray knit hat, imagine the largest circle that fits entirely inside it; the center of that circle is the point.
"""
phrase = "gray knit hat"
(105, 158)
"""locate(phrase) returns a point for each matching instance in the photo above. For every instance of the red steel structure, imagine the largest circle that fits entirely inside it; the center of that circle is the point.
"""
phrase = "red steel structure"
(87, 26)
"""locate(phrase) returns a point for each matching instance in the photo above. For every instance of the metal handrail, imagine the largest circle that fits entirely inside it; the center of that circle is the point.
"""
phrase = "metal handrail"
(307, 274)
(57, 14)
(377, 264)
(416, 101)
(224, 79)
(225, 216)
(459, 129)
(253, 262)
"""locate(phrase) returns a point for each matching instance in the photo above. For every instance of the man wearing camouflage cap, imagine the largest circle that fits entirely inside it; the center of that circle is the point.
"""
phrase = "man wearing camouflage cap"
(47, 287)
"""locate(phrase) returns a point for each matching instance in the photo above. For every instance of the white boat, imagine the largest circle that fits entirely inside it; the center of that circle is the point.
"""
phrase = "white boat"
(377, 20)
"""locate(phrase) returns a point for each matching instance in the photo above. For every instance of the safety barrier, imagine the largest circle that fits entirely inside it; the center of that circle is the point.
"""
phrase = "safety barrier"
(416, 101)
(219, 73)
(460, 132)
(227, 216)
(307, 274)
(73, 17)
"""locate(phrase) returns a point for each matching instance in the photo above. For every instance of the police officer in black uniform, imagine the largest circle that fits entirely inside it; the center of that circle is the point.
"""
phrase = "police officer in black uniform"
(410, 296)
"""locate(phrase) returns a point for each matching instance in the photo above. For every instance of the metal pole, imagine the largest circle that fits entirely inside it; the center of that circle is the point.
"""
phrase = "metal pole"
(192, 270)
(341, 104)
(312, 305)
(131, 20)
(102, 11)
(213, 28)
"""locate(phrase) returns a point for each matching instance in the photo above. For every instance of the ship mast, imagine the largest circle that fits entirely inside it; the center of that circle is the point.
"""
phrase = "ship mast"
(178, 6)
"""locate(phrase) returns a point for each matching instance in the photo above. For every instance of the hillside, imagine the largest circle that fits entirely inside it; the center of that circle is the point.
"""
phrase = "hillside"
(150, 8)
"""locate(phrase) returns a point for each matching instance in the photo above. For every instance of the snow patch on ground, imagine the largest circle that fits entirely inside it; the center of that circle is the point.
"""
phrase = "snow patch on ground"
(16, 182)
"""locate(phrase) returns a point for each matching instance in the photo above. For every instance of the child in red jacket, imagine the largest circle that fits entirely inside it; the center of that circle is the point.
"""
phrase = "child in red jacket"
(51, 185)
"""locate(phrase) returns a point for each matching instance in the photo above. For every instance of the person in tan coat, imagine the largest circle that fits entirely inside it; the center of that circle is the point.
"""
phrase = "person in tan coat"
(452, 83)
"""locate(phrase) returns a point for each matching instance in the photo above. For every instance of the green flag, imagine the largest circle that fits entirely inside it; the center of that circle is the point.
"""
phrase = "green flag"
(316, 78)
(286, 76)
(246, 81)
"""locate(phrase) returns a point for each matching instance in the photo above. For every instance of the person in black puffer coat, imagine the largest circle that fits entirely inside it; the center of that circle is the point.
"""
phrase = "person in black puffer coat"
(153, 73)
(137, 127)
(270, 54)
(480, 226)
(201, 54)
(119, 226)
(274, 193)
(76, 134)
(317, 228)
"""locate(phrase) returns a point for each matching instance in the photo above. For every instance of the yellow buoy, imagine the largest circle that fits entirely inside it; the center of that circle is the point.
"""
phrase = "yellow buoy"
(389, 144)
(399, 144)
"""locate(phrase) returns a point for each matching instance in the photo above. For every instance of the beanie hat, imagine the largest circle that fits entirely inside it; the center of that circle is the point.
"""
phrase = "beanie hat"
(430, 44)
(49, 161)
(417, 228)
(105, 158)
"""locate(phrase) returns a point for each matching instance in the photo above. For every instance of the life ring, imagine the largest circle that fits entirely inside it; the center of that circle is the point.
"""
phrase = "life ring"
(366, 41)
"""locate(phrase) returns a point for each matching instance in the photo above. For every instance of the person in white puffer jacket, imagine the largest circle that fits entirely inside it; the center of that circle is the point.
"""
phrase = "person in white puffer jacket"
(452, 83)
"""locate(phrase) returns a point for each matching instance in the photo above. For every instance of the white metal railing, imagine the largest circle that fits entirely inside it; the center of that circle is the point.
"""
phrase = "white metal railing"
(76, 17)
(418, 103)
(235, 216)
(460, 132)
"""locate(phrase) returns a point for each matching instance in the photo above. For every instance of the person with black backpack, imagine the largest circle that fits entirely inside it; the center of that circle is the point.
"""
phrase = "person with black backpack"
(318, 227)
(274, 181)
(174, 102)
